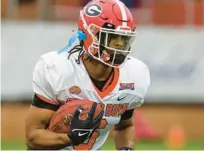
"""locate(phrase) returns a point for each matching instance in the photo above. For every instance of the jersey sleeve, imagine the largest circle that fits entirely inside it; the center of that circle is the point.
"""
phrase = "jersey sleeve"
(138, 98)
(42, 83)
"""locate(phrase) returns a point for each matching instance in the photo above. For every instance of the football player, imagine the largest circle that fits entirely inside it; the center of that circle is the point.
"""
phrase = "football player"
(96, 66)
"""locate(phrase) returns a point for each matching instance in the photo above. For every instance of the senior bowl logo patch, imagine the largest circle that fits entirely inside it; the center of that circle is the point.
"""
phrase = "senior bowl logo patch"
(129, 86)
(75, 89)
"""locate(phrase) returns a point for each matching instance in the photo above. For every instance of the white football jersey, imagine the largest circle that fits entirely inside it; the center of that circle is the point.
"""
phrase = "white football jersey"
(59, 79)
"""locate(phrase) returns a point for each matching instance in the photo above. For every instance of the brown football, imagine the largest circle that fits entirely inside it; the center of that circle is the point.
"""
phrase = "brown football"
(61, 120)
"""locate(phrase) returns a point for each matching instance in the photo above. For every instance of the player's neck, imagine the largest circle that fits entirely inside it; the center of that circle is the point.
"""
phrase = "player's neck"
(97, 70)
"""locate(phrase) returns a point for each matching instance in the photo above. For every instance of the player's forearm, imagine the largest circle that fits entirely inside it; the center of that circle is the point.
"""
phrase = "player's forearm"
(124, 137)
(44, 139)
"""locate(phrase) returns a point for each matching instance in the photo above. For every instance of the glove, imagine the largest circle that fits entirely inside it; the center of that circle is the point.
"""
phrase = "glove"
(80, 130)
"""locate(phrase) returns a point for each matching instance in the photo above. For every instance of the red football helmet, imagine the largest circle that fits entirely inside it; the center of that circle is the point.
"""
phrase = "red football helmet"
(102, 21)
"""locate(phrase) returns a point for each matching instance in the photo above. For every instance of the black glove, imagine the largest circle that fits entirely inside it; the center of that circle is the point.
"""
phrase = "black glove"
(80, 130)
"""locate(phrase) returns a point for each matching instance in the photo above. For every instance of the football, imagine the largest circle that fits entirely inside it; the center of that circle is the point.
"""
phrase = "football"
(61, 120)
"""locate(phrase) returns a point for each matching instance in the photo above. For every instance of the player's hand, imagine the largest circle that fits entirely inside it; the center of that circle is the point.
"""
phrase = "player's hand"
(80, 130)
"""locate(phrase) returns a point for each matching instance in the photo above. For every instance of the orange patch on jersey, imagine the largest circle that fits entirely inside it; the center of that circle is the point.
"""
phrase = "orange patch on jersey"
(108, 110)
(123, 108)
(75, 89)
(115, 109)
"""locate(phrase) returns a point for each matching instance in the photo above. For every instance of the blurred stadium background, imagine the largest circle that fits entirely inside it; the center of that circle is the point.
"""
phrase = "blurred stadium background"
(170, 41)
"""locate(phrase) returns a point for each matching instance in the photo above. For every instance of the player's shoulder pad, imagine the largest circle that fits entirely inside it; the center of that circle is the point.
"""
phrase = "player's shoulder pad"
(55, 69)
(136, 68)
(57, 63)
(138, 72)
(136, 62)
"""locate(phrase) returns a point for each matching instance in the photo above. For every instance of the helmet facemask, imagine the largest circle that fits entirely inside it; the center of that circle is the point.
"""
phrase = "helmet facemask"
(110, 46)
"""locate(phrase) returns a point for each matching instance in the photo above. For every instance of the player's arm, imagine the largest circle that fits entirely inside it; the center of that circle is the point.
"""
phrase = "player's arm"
(40, 112)
(37, 121)
(124, 132)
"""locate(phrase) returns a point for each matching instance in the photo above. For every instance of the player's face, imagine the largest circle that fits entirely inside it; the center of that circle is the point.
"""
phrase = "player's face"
(117, 42)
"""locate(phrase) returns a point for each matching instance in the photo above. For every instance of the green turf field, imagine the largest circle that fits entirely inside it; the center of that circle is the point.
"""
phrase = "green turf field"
(109, 145)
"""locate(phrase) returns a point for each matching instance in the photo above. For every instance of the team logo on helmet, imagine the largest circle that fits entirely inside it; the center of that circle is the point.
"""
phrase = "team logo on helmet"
(93, 10)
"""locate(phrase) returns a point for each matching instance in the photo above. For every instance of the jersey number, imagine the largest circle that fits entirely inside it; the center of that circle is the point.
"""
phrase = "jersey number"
(92, 139)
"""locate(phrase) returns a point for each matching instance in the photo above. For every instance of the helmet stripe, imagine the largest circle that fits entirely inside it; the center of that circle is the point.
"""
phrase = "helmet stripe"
(123, 12)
